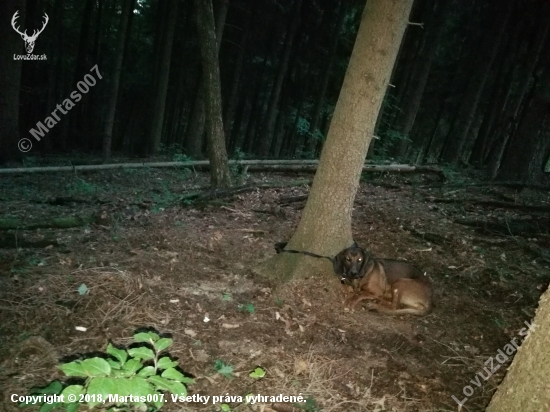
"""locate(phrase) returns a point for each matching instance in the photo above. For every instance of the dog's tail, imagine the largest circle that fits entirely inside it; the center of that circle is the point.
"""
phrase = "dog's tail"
(420, 311)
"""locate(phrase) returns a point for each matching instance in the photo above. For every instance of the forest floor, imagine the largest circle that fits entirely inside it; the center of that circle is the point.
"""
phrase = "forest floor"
(186, 269)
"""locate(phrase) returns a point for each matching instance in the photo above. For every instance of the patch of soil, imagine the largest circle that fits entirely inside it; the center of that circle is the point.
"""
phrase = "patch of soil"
(186, 270)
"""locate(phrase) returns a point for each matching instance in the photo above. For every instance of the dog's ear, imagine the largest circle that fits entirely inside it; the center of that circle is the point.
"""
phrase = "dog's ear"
(367, 264)
(338, 263)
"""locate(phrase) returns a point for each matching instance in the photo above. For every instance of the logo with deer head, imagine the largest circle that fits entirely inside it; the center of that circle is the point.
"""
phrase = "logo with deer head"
(29, 40)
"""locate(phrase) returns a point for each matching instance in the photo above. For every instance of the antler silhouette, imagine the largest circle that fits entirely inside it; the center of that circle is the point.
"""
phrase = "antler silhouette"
(29, 40)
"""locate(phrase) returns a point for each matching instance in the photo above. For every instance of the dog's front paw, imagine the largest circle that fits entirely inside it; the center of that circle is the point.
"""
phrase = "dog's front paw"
(350, 303)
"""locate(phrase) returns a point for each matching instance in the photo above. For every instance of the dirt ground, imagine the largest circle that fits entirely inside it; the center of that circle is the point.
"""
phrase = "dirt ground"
(186, 269)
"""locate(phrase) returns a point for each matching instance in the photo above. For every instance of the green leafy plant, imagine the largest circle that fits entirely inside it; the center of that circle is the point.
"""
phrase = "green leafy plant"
(223, 369)
(238, 171)
(249, 307)
(165, 199)
(82, 187)
(133, 378)
(309, 406)
(178, 157)
(257, 373)
(83, 289)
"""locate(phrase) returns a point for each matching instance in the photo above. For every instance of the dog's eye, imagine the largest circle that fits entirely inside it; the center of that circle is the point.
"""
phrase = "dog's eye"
(360, 260)
(348, 259)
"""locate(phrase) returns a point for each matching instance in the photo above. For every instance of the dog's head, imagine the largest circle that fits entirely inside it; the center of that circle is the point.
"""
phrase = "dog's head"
(351, 263)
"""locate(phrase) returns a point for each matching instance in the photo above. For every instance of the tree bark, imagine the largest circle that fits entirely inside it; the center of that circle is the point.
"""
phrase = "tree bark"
(115, 78)
(10, 80)
(161, 89)
(325, 226)
(217, 153)
(525, 386)
(266, 138)
(198, 115)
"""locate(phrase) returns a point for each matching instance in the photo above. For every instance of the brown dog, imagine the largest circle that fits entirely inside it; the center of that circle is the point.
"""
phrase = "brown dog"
(397, 287)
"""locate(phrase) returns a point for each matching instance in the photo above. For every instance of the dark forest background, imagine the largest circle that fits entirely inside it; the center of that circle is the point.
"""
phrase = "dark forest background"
(471, 86)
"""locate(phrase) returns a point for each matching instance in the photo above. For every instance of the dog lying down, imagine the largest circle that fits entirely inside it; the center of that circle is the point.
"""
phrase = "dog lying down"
(395, 287)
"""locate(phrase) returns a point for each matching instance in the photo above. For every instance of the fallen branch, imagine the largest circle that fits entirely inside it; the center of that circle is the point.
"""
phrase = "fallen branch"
(254, 165)
(194, 163)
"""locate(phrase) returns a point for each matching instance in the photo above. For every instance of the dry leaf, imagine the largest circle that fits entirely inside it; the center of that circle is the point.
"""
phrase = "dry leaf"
(230, 325)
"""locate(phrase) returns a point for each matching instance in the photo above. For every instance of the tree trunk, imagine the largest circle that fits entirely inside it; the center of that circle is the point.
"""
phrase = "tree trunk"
(115, 78)
(314, 132)
(279, 132)
(468, 107)
(161, 83)
(266, 138)
(10, 82)
(523, 160)
(217, 153)
(235, 84)
(238, 142)
(499, 95)
(525, 386)
(325, 226)
(526, 75)
(412, 96)
(78, 118)
(198, 115)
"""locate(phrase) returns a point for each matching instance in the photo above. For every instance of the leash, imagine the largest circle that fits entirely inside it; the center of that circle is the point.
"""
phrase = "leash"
(280, 248)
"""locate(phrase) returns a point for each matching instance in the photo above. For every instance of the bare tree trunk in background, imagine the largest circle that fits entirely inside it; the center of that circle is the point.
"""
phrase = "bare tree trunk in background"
(238, 141)
(115, 78)
(412, 96)
(526, 75)
(320, 99)
(217, 153)
(77, 118)
(10, 81)
(236, 83)
(467, 110)
(499, 96)
(195, 133)
(161, 88)
(267, 135)
(279, 132)
(325, 226)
